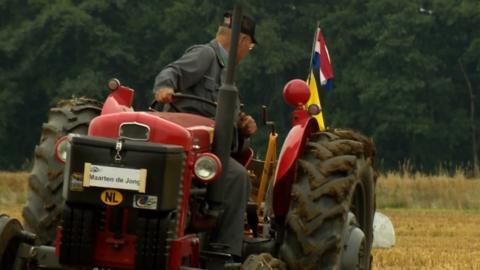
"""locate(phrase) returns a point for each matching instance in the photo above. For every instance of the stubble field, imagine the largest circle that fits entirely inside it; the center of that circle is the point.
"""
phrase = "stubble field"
(436, 219)
(432, 239)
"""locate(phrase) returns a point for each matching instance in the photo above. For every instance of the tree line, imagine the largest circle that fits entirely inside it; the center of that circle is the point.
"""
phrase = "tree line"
(402, 68)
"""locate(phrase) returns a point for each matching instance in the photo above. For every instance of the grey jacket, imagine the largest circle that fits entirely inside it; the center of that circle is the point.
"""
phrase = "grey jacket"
(198, 72)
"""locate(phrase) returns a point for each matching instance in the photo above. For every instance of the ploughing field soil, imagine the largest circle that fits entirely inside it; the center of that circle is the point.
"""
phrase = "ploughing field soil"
(426, 238)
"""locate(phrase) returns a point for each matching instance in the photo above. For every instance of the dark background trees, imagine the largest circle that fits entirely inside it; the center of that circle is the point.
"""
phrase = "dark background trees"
(397, 72)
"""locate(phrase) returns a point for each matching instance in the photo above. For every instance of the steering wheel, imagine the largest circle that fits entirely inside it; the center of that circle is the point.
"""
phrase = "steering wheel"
(179, 96)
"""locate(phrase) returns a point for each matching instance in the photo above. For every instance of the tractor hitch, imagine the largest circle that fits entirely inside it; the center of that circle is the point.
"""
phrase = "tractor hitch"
(19, 248)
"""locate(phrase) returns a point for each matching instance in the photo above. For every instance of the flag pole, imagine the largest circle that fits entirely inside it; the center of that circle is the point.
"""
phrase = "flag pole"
(313, 50)
(313, 86)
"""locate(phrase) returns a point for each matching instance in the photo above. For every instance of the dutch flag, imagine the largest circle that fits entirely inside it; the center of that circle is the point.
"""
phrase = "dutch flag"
(321, 64)
(321, 72)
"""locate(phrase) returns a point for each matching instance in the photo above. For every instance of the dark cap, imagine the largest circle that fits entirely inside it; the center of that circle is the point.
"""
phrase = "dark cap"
(247, 26)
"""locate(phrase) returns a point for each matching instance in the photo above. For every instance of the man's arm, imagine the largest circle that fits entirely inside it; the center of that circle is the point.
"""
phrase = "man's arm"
(183, 73)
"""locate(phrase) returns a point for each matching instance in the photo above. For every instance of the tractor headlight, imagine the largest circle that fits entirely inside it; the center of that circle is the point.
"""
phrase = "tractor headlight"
(207, 167)
(61, 149)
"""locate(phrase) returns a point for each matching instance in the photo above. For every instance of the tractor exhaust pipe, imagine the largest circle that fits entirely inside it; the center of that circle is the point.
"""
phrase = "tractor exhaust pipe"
(226, 109)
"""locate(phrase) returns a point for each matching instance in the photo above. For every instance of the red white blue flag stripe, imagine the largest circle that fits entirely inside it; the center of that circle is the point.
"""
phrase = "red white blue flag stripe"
(321, 64)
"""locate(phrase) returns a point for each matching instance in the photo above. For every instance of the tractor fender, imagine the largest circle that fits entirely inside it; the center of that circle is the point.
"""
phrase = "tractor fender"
(119, 100)
(285, 171)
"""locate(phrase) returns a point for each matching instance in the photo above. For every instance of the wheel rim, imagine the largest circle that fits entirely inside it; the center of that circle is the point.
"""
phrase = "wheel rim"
(359, 209)
(9, 231)
(362, 255)
(354, 252)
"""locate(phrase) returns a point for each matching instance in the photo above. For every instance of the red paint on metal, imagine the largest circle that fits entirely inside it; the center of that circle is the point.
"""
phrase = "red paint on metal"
(289, 151)
(245, 158)
(301, 117)
(201, 138)
(248, 160)
(187, 183)
(186, 246)
(303, 125)
(58, 240)
(185, 119)
(108, 126)
(112, 251)
(296, 93)
(119, 100)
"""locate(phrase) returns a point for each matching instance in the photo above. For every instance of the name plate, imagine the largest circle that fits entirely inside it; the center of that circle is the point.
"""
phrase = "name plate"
(114, 177)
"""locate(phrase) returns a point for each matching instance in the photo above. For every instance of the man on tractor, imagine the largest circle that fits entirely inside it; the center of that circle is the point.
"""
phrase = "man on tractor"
(200, 71)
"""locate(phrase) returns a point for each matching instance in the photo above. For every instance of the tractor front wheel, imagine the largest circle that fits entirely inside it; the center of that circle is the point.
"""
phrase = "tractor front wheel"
(10, 230)
(330, 221)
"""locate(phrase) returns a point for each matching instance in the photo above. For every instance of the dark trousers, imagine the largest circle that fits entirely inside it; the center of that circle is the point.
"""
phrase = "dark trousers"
(229, 229)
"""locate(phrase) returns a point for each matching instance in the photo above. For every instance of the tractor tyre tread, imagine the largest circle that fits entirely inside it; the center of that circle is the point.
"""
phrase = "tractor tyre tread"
(44, 200)
(327, 173)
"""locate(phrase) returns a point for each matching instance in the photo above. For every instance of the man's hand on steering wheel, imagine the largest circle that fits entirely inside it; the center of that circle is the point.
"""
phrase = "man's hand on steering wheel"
(164, 95)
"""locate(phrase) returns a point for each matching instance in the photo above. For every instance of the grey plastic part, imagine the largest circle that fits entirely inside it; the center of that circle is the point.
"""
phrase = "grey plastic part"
(46, 258)
(352, 248)
(38, 257)
(43, 256)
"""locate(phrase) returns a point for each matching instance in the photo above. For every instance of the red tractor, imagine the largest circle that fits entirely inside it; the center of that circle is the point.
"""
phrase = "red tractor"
(123, 194)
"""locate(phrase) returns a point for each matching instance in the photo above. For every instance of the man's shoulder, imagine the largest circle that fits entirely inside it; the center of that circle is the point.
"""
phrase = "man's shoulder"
(206, 48)
(206, 51)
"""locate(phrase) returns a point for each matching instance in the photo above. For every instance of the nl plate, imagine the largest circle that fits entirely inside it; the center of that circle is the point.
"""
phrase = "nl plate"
(114, 177)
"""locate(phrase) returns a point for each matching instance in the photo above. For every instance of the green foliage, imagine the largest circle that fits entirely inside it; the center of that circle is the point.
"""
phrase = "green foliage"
(397, 72)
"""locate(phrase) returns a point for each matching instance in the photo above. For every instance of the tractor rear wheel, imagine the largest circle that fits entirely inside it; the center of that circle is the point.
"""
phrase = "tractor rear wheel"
(44, 200)
(330, 221)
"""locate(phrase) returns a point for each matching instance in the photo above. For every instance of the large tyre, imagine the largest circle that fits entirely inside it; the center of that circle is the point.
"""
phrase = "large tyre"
(44, 200)
(335, 179)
